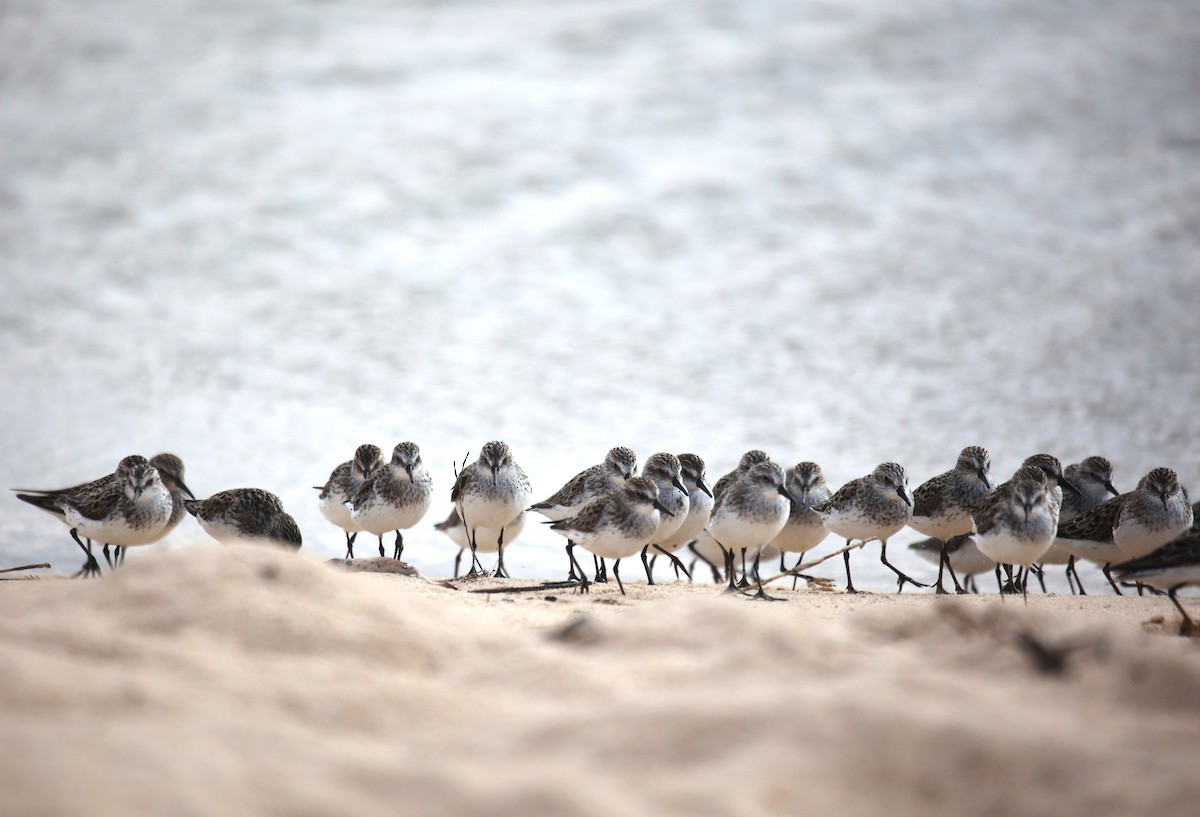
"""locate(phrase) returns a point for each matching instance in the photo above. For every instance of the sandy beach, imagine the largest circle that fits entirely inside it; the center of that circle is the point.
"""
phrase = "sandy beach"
(206, 680)
(259, 235)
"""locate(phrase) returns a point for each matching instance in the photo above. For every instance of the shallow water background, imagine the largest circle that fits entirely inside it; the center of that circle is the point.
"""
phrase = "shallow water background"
(259, 234)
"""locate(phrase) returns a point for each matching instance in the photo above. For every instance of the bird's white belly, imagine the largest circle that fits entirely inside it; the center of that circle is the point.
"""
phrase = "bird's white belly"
(800, 538)
(943, 527)
(697, 517)
(381, 517)
(117, 531)
(334, 509)
(1136, 540)
(857, 526)
(732, 532)
(1007, 549)
(478, 512)
(1099, 552)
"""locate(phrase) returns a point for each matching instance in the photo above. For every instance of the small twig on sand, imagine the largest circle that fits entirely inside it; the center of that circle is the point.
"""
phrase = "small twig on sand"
(531, 588)
(42, 566)
(797, 570)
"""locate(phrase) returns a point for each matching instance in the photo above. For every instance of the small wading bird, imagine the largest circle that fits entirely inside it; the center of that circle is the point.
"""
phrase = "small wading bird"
(341, 487)
(130, 507)
(489, 493)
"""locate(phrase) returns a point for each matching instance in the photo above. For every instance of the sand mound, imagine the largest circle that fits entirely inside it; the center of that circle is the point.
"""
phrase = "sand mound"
(238, 680)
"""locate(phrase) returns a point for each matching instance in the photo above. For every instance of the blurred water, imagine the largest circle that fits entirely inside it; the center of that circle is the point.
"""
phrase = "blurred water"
(260, 234)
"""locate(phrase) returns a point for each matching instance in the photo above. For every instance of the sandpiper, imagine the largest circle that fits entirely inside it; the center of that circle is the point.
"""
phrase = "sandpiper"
(620, 463)
(341, 487)
(1131, 525)
(396, 497)
(489, 493)
(131, 506)
(749, 514)
(245, 516)
(804, 528)
(170, 471)
(700, 504)
(666, 472)
(1016, 524)
(616, 525)
(875, 506)
(1171, 567)
(942, 505)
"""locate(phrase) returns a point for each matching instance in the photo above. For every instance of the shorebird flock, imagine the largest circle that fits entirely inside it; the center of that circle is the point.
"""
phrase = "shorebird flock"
(1044, 515)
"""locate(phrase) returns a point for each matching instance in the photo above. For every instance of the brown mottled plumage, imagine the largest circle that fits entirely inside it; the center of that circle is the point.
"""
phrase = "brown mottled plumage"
(245, 515)
(342, 486)
(617, 524)
(1131, 525)
(748, 460)
(489, 493)
(131, 506)
(872, 507)
(1171, 567)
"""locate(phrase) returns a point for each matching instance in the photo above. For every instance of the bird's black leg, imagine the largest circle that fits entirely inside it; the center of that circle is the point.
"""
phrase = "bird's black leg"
(382, 552)
(476, 567)
(1187, 626)
(959, 589)
(500, 573)
(761, 595)
(1039, 573)
(107, 558)
(1105, 570)
(398, 549)
(571, 563)
(903, 578)
(999, 581)
(729, 571)
(601, 569)
(1071, 571)
(1010, 586)
(350, 537)
(849, 581)
(457, 562)
(91, 567)
(744, 581)
(617, 575)
(676, 563)
(942, 559)
(646, 564)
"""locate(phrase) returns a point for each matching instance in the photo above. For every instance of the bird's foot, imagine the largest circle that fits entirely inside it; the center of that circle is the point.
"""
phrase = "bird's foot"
(761, 595)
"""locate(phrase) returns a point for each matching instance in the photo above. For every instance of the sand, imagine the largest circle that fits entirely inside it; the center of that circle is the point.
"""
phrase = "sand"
(216, 680)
